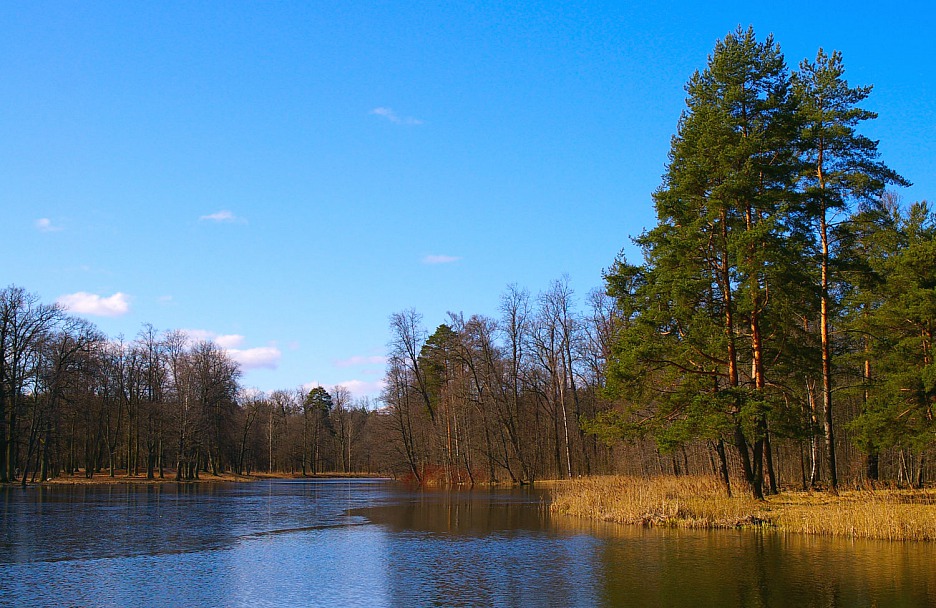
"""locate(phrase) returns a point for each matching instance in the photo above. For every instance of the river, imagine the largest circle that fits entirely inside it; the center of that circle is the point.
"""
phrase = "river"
(377, 543)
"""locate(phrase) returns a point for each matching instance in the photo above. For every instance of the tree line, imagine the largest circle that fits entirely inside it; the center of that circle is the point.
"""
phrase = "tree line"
(73, 401)
(487, 399)
(480, 400)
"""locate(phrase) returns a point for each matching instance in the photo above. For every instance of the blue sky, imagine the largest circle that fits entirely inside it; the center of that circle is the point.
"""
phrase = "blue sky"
(282, 176)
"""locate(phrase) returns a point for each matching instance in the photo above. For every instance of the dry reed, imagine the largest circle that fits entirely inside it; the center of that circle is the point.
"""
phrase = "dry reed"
(882, 514)
(692, 502)
(701, 502)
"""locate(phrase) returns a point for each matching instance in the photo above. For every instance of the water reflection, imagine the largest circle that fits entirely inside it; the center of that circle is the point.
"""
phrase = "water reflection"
(653, 567)
(373, 543)
(461, 512)
(483, 547)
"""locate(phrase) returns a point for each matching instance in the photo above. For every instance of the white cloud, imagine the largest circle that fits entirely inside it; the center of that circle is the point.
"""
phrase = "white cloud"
(44, 224)
(357, 388)
(363, 388)
(229, 341)
(439, 259)
(223, 216)
(92, 304)
(267, 357)
(360, 360)
(393, 117)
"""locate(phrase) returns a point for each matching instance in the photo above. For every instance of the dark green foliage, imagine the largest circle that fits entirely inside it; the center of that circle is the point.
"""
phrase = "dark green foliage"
(319, 401)
(840, 164)
(902, 387)
(716, 263)
(435, 360)
(728, 326)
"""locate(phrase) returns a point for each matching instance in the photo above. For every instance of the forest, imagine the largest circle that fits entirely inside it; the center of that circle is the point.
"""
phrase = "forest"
(73, 402)
(455, 409)
(776, 332)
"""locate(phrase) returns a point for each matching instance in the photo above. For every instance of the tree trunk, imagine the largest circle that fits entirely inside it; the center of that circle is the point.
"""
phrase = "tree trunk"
(771, 474)
(827, 368)
(872, 471)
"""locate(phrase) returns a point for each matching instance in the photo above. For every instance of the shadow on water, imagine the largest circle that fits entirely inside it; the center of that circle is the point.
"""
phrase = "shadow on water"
(482, 547)
(757, 568)
(467, 512)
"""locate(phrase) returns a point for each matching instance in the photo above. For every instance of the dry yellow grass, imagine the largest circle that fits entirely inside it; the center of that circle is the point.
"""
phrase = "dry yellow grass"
(701, 502)
(881, 514)
(692, 502)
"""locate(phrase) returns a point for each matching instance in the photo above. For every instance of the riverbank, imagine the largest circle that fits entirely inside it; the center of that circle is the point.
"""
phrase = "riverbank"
(169, 477)
(701, 502)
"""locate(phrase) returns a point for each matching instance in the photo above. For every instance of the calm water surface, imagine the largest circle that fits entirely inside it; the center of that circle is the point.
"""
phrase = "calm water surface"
(375, 543)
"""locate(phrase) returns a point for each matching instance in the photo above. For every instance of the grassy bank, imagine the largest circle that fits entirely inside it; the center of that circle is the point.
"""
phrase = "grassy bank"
(701, 502)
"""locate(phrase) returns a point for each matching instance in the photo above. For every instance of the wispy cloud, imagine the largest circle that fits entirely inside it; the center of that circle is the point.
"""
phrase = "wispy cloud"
(92, 304)
(360, 360)
(440, 259)
(44, 224)
(395, 118)
(222, 217)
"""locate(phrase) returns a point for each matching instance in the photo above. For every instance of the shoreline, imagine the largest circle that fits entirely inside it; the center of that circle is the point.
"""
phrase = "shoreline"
(121, 477)
(701, 503)
(104, 479)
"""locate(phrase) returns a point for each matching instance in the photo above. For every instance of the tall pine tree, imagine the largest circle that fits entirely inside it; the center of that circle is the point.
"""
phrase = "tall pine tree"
(841, 167)
(721, 244)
